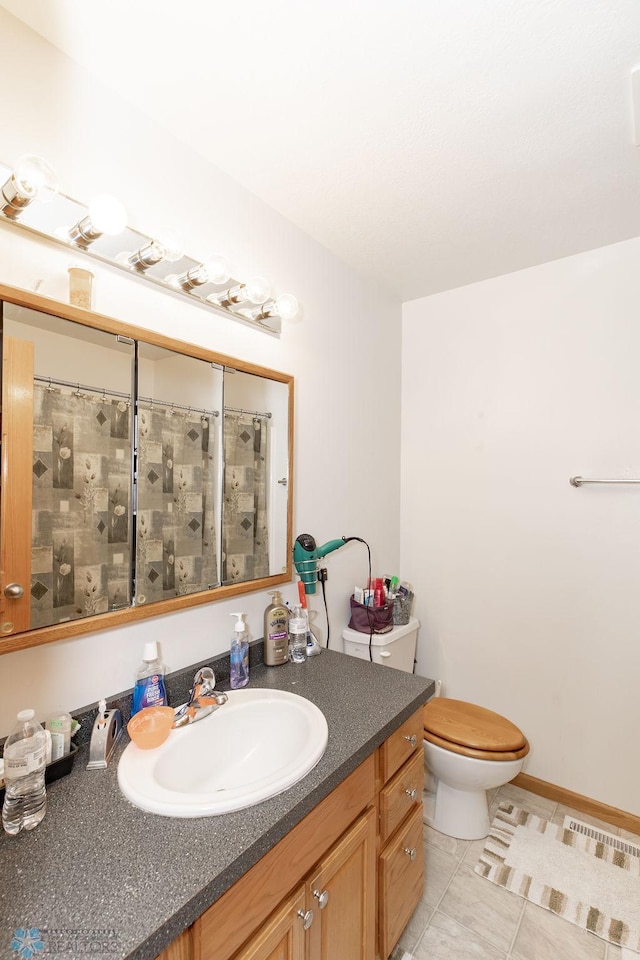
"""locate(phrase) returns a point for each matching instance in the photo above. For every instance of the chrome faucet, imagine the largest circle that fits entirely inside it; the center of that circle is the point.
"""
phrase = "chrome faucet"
(203, 699)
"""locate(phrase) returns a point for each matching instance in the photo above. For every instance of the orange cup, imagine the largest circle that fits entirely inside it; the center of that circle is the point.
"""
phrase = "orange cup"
(150, 726)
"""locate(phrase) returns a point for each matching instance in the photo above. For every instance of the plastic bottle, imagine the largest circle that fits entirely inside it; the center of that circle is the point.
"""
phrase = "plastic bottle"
(276, 632)
(25, 800)
(149, 689)
(59, 726)
(313, 647)
(239, 654)
(297, 637)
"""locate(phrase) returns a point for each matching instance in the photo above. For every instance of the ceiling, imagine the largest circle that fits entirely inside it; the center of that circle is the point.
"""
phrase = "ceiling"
(427, 143)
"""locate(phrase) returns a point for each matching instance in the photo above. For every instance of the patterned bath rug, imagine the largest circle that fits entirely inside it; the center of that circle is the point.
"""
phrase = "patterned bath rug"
(585, 881)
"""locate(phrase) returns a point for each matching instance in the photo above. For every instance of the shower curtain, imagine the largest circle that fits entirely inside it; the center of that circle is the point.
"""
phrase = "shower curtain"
(244, 525)
(81, 562)
(175, 530)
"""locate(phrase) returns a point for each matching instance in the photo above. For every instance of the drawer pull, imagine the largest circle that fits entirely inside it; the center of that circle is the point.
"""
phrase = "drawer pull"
(307, 918)
(410, 852)
(412, 739)
(412, 794)
(322, 898)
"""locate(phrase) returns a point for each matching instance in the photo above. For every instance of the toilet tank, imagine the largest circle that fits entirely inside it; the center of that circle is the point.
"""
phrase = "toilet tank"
(397, 648)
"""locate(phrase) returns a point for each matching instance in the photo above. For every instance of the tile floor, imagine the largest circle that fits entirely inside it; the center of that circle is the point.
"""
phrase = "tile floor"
(462, 916)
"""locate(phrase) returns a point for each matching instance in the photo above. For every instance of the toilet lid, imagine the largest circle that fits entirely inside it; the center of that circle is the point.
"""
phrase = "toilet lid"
(471, 726)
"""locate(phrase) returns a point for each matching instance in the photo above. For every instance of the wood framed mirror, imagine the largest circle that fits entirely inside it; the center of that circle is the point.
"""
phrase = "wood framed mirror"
(140, 474)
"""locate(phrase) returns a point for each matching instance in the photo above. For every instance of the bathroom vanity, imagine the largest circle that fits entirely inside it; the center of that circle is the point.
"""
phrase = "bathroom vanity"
(345, 844)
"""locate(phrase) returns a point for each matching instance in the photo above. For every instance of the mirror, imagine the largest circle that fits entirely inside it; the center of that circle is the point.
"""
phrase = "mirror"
(139, 474)
(256, 457)
(179, 415)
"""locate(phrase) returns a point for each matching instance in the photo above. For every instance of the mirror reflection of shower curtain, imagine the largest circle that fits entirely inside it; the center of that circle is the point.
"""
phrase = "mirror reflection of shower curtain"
(81, 481)
(175, 531)
(245, 539)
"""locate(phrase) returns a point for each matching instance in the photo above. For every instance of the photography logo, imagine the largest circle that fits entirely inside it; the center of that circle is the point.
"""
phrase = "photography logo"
(27, 942)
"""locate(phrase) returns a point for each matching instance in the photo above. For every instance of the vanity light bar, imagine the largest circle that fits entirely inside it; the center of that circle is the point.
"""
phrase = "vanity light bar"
(100, 231)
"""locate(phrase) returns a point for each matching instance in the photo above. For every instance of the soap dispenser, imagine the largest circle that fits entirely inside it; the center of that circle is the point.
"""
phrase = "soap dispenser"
(239, 654)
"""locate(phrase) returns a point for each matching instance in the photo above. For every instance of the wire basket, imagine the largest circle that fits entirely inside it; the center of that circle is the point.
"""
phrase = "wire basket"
(402, 610)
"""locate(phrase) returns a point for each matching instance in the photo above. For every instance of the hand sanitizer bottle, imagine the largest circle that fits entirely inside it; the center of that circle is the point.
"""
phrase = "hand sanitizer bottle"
(239, 654)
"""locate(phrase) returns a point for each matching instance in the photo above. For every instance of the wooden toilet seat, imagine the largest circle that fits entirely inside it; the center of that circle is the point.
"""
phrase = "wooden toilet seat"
(473, 731)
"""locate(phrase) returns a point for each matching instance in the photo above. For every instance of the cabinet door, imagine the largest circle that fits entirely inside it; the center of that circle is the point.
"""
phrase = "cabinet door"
(401, 795)
(397, 749)
(282, 937)
(401, 880)
(15, 505)
(341, 894)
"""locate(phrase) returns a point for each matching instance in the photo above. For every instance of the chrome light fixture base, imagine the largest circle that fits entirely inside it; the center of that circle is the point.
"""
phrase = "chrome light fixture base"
(67, 222)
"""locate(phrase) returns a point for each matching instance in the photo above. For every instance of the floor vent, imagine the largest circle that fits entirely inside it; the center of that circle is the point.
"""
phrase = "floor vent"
(577, 826)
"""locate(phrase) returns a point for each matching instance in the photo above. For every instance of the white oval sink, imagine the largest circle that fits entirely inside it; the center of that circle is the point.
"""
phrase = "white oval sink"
(256, 745)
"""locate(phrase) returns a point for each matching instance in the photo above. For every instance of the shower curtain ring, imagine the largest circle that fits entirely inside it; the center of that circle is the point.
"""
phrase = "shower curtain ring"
(77, 393)
(50, 386)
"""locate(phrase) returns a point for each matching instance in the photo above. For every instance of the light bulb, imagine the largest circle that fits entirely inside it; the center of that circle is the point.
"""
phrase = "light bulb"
(31, 177)
(36, 178)
(286, 306)
(214, 269)
(108, 216)
(256, 290)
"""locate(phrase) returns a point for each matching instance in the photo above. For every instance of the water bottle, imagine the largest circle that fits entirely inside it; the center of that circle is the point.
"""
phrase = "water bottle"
(25, 799)
(297, 638)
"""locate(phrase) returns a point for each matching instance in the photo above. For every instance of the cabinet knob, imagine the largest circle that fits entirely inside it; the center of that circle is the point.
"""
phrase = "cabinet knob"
(412, 739)
(13, 591)
(411, 853)
(411, 793)
(307, 918)
(322, 898)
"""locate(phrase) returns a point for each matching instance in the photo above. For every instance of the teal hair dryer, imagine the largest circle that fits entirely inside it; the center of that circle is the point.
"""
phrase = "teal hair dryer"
(306, 555)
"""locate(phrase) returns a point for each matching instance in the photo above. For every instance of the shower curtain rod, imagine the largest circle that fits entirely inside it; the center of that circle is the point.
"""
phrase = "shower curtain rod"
(252, 413)
(180, 406)
(125, 396)
(82, 386)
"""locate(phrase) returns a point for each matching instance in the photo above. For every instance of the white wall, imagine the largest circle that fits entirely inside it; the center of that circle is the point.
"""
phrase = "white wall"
(528, 588)
(344, 351)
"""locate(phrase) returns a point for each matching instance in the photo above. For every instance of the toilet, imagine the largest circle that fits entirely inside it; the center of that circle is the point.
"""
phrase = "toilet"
(467, 750)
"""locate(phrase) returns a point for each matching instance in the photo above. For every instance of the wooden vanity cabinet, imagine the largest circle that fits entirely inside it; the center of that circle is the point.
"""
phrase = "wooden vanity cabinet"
(333, 914)
(355, 863)
(335, 843)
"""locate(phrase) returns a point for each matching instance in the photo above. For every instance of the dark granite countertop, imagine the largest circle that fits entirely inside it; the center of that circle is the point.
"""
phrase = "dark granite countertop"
(99, 877)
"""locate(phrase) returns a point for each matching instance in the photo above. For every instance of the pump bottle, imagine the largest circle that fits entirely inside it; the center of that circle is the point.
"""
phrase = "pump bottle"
(276, 632)
(239, 654)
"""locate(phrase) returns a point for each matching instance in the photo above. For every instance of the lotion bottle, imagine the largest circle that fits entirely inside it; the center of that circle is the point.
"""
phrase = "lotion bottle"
(276, 632)
(239, 654)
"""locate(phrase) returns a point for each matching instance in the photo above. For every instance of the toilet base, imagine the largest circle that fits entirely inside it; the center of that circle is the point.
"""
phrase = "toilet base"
(463, 814)
(459, 786)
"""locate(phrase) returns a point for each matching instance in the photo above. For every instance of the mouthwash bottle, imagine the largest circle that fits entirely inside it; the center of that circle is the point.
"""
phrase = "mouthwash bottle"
(149, 689)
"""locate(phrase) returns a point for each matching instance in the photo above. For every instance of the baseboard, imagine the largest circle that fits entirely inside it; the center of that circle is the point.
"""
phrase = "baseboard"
(626, 821)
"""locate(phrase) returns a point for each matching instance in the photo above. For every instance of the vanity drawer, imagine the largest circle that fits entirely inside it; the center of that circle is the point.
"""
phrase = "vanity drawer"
(400, 745)
(400, 881)
(401, 795)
